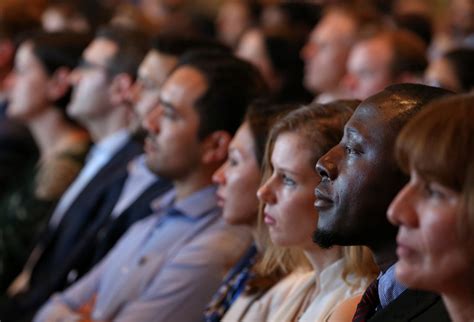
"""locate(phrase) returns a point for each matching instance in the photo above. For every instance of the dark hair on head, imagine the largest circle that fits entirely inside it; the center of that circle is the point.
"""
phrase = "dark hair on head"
(231, 85)
(285, 59)
(177, 45)
(462, 61)
(419, 24)
(261, 114)
(409, 52)
(56, 50)
(132, 45)
(438, 144)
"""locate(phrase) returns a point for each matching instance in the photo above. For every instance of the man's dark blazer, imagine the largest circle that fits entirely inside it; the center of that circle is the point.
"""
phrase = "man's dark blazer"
(57, 246)
(416, 306)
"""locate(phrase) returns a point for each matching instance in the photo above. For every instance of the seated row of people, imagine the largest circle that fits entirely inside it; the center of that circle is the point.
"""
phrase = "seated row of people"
(167, 266)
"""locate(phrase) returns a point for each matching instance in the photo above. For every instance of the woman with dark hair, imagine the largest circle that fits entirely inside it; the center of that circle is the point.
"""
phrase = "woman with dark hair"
(278, 60)
(39, 92)
(435, 210)
(453, 71)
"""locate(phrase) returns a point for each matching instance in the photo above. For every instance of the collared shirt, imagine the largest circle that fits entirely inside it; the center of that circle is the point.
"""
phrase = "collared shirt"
(389, 287)
(138, 180)
(98, 156)
(165, 268)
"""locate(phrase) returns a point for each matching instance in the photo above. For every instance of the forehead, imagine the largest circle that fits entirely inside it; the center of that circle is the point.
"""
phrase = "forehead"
(100, 50)
(184, 86)
(243, 139)
(334, 26)
(374, 53)
(291, 152)
(156, 66)
(371, 121)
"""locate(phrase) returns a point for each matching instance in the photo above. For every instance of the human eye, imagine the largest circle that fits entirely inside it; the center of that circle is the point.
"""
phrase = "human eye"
(350, 150)
(232, 161)
(287, 181)
(433, 190)
(170, 113)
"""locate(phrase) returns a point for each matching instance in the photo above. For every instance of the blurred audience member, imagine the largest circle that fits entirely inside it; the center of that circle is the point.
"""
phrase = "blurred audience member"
(291, 19)
(167, 266)
(383, 59)
(435, 210)
(39, 92)
(359, 179)
(453, 70)
(64, 16)
(238, 179)
(326, 52)
(234, 18)
(278, 61)
(101, 85)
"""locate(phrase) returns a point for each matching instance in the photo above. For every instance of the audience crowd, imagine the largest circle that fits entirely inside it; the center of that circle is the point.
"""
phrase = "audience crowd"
(236, 160)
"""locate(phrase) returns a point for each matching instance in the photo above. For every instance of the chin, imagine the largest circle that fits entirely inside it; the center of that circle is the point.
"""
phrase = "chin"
(409, 275)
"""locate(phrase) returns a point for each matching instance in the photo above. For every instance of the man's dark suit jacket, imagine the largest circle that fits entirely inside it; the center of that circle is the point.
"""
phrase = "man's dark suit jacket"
(416, 306)
(84, 235)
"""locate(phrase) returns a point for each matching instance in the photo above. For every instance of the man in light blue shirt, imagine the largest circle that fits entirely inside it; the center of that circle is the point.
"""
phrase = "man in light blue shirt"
(167, 266)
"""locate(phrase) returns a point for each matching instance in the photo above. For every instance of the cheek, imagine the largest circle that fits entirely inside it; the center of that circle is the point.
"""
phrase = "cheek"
(300, 219)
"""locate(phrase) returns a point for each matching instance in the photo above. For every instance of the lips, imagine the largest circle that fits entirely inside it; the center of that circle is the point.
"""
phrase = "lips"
(150, 146)
(322, 199)
(220, 200)
(404, 250)
(269, 220)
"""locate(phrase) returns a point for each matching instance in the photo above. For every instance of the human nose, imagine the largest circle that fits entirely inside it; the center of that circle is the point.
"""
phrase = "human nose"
(308, 51)
(326, 166)
(152, 120)
(401, 211)
(219, 177)
(75, 76)
(10, 80)
(265, 193)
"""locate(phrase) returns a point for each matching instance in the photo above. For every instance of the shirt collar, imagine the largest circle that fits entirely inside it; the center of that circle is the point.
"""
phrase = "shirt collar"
(111, 144)
(389, 287)
(194, 206)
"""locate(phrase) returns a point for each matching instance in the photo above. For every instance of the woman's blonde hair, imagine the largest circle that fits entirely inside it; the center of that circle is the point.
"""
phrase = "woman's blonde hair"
(321, 126)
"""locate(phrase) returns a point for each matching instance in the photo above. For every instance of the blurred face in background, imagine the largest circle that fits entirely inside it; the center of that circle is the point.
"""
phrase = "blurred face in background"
(440, 73)
(27, 85)
(326, 52)
(368, 69)
(238, 179)
(152, 73)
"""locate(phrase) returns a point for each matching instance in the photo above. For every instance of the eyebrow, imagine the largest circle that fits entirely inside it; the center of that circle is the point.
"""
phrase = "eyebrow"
(166, 104)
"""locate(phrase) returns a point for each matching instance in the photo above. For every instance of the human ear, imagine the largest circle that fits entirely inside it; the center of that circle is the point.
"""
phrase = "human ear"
(58, 84)
(121, 89)
(215, 147)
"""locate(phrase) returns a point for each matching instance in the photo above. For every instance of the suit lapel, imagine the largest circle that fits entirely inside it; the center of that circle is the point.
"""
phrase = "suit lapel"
(413, 305)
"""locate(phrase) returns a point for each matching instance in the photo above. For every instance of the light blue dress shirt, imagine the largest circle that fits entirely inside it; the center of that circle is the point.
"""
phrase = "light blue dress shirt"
(389, 288)
(138, 180)
(165, 268)
(99, 155)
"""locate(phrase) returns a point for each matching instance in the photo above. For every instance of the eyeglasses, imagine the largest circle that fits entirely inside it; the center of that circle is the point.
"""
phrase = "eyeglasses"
(88, 65)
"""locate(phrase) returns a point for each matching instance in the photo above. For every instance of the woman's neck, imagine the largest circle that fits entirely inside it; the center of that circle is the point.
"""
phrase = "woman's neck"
(49, 130)
(460, 304)
(322, 258)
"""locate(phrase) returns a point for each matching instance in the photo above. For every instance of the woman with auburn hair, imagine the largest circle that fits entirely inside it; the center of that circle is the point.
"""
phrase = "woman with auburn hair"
(435, 210)
(238, 180)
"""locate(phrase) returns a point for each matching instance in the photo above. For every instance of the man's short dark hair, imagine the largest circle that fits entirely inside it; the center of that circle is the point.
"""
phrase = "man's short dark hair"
(132, 45)
(231, 85)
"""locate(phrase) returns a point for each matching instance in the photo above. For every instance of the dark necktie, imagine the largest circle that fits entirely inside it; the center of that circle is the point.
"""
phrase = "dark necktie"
(369, 302)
